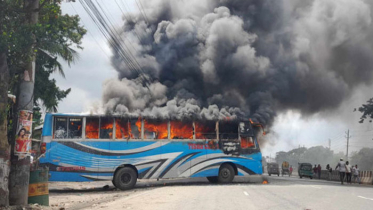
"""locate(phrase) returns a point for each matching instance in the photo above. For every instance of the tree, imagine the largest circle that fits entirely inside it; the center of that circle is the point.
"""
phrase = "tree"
(363, 158)
(367, 110)
(314, 155)
(30, 31)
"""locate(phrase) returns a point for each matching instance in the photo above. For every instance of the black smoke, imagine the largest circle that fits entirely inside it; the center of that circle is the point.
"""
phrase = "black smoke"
(239, 59)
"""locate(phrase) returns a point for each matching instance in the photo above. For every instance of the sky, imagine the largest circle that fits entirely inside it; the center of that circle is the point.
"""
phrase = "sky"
(290, 129)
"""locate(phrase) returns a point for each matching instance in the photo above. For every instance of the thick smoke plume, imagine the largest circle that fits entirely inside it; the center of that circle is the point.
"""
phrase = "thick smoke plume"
(216, 59)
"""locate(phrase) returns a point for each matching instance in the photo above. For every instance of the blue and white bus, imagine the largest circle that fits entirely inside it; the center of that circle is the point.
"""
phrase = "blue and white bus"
(88, 147)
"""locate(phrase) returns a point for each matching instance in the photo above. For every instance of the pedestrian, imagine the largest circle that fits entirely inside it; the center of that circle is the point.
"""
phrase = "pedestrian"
(314, 171)
(356, 174)
(342, 169)
(348, 172)
(319, 170)
(291, 170)
(330, 173)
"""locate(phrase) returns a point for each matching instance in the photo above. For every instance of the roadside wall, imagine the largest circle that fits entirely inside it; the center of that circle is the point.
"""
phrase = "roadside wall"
(366, 177)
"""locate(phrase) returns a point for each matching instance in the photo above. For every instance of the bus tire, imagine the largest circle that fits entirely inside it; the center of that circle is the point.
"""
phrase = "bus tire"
(226, 174)
(212, 179)
(125, 178)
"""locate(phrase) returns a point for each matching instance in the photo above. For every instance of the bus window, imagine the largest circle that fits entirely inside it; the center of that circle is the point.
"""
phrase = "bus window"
(122, 129)
(247, 142)
(205, 130)
(246, 129)
(135, 126)
(155, 129)
(106, 128)
(181, 130)
(60, 127)
(91, 128)
(75, 128)
(228, 130)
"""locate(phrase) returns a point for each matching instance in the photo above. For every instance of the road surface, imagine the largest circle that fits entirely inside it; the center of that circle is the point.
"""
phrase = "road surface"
(193, 194)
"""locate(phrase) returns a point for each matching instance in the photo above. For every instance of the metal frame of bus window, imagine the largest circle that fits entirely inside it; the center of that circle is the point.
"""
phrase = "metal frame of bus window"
(254, 137)
(67, 126)
(216, 132)
(54, 125)
(99, 128)
(128, 124)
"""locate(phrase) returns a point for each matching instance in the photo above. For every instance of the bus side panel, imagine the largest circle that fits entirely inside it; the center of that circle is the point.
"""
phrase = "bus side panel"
(144, 155)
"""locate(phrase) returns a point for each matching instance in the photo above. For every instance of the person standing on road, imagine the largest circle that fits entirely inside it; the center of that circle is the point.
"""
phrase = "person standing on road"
(342, 169)
(291, 170)
(348, 173)
(315, 171)
(319, 171)
(356, 174)
(329, 172)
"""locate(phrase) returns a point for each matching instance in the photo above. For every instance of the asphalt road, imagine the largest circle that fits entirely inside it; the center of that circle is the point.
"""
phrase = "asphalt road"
(280, 193)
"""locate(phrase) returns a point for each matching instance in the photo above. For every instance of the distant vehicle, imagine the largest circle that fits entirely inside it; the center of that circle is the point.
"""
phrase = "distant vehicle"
(88, 147)
(305, 170)
(285, 168)
(273, 168)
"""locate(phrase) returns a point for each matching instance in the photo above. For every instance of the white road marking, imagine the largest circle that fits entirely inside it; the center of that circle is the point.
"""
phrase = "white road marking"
(315, 187)
(244, 192)
(365, 198)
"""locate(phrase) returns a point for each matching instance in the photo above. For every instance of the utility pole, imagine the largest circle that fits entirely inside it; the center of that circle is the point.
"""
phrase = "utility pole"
(348, 141)
(330, 144)
(20, 152)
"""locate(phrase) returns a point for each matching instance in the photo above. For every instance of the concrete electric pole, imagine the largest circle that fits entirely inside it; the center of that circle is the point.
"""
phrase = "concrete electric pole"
(21, 145)
(330, 144)
(348, 141)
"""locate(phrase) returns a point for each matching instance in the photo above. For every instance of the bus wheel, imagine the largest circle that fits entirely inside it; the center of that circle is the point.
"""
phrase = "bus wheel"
(125, 178)
(212, 179)
(226, 174)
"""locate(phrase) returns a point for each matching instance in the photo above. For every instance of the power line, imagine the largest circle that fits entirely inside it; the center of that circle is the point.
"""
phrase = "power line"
(71, 4)
(106, 27)
(142, 11)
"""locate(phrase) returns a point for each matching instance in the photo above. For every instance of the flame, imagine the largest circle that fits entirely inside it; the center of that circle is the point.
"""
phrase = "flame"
(91, 129)
(181, 130)
(138, 125)
(122, 129)
(107, 126)
(159, 128)
(202, 130)
(246, 142)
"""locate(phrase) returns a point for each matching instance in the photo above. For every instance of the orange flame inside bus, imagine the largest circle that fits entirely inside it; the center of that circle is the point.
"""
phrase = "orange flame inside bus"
(202, 130)
(159, 128)
(91, 129)
(107, 126)
(181, 130)
(122, 128)
(246, 142)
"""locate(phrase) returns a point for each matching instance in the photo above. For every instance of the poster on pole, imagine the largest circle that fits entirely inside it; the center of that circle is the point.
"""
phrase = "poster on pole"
(23, 136)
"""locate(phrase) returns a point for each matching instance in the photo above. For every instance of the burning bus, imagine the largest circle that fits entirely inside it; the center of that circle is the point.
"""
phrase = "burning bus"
(86, 148)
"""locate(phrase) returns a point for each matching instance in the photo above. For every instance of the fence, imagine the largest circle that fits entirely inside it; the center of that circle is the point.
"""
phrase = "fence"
(366, 177)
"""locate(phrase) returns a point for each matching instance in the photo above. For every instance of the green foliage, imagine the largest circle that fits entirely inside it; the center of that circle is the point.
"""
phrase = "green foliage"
(314, 155)
(54, 37)
(46, 89)
(363, 158)
(367, 110)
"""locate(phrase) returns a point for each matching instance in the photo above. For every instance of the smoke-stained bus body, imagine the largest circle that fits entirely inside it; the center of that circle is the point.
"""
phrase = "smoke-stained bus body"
(86, 148)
